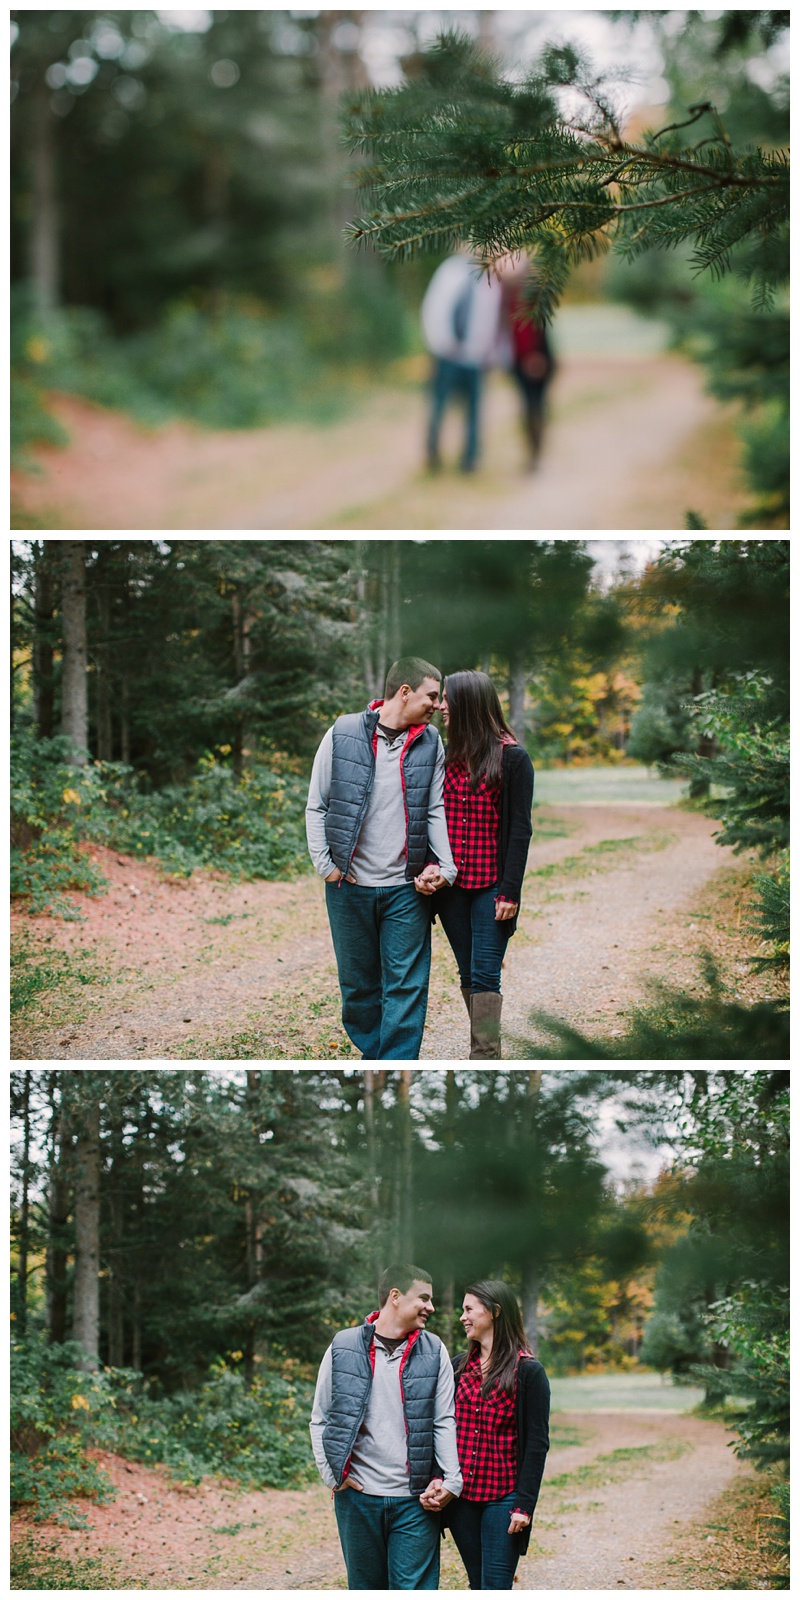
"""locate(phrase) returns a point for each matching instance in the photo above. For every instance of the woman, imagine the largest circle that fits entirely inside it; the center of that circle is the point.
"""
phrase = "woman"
(532, 358)
(488, 794)
(502, 1413)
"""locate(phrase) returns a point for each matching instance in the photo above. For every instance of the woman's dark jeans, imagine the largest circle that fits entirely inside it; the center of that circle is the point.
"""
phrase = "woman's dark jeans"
(478, 940)
(489, 1552)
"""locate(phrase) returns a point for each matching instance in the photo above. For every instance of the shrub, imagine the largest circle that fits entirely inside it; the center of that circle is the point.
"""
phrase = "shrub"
(53, 1409)
(251, 829)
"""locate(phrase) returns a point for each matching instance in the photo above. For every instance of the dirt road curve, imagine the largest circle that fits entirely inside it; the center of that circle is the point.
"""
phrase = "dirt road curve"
(209, 969)
(633, 443)
(619, 1497)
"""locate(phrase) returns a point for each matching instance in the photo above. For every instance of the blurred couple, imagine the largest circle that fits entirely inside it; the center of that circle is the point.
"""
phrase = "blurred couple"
(411, 1443)
(473, 319)
(403, 832)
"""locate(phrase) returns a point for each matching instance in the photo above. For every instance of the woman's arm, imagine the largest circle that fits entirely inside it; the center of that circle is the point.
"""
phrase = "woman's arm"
(535, 1405)
(518, 775)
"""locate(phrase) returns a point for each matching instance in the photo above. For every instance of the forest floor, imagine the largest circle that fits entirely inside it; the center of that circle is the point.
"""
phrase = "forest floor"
(618, 894)
(638, 1499)
(634, 441)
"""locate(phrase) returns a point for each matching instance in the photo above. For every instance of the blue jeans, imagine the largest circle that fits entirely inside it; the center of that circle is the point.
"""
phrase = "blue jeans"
(387, 1543)
(478, 941)
(382, 941)
(489, 1552)
(451, 378)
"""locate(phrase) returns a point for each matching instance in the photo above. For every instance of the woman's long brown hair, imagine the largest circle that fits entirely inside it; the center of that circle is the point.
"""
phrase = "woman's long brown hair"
(509, 1333)
(477, 726)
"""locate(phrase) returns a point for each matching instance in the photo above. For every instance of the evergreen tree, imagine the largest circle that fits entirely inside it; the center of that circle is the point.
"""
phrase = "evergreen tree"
(462, 154)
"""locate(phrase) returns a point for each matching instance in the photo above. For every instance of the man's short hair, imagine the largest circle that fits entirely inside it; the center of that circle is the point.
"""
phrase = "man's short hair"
(410, 670)
(401, 1275)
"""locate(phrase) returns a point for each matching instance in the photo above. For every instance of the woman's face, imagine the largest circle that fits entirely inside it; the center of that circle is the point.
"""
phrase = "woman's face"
(445, 709)
(476, 1320)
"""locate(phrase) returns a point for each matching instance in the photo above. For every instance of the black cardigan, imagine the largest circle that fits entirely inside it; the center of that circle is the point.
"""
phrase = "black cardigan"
(533, 1434)
(516, 801)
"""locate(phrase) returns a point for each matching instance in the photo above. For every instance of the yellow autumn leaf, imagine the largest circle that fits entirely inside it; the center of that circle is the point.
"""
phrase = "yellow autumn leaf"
(37, 349)
(71, 797)
(80, 1403)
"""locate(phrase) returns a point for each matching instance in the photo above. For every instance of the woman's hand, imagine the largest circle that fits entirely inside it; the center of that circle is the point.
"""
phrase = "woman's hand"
(505, 909)
(435, 1497)
(430, 880)
(519, 1520)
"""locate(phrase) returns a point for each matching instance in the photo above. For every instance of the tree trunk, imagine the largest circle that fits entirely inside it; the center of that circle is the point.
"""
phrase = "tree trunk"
(86, 1307)
(22, 1271)
(74, 706)
(403, 1230)
(116, 1255)
(700, 788)
(531, 1278)
(516, 697)
(44, 230)
(42, 655)
(105, 732)
(530, 1306)
(136, 1347)
(58, 1216)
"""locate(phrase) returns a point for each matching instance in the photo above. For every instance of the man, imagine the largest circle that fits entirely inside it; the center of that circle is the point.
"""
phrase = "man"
(384, 1436)
(375, 822)
(461, 323)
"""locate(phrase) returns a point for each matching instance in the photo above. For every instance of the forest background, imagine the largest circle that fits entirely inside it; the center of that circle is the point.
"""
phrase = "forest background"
(168, 698)
(185, 1242)
(180, 187)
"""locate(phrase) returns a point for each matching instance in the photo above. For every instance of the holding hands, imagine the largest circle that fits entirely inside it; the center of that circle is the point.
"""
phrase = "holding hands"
(428, 882)
(435, 1497)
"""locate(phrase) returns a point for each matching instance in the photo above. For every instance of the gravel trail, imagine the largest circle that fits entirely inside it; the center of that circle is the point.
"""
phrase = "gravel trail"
(208, 969)
(651, 1478)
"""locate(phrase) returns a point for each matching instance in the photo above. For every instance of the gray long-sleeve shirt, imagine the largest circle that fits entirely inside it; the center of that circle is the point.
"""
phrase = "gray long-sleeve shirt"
(379, 1462)
(379, 859)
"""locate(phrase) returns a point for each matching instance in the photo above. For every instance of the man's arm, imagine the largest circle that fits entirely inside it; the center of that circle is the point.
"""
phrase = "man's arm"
(319, 1417)
(444, 1429)
(317, 806)
(438, 837)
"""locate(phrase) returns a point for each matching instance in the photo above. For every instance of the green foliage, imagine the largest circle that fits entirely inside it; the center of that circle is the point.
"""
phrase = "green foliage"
(753, 1324)
(257, 1436)
(677, 1027)
(660, 725)
(772, 919)
(54, 1406)
(251, 829)
(752, 766)
(462, 154)
(50, 801)
(241, 368)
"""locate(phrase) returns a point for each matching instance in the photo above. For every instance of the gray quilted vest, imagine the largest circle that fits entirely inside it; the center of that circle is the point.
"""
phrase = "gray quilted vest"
(351, 1378)
(352, 777)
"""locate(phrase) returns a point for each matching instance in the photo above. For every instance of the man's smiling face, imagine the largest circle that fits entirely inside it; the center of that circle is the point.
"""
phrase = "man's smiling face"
(413, 1308)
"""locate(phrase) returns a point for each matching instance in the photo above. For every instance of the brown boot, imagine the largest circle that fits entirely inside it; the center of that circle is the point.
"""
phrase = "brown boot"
(485, 1018)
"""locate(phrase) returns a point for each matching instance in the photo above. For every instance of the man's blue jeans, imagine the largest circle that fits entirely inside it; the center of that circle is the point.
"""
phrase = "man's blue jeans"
(489, 1552)
(478, 940)
(387, 1543)
(382, 940)
(451, 378)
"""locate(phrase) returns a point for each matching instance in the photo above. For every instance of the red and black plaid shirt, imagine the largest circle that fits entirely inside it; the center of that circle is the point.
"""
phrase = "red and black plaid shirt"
(486, 1431)
(473, 826)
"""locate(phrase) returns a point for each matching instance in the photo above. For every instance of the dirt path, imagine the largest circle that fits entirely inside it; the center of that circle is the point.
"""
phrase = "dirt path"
(633, 443)
(156, 1535)
(205, 969)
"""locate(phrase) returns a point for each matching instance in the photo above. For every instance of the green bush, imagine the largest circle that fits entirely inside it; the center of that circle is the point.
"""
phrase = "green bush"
(258, 1436)
(251, 829)
(50, 800)
(53, 1409)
